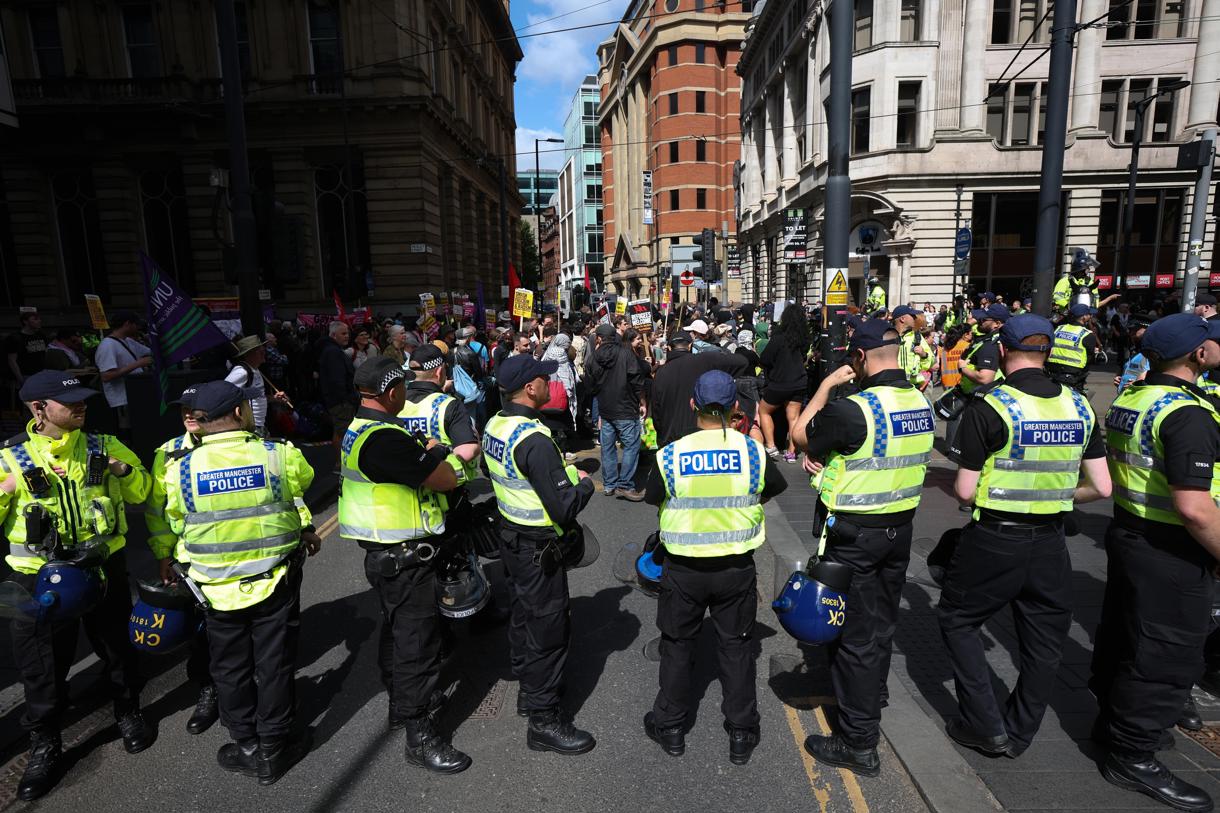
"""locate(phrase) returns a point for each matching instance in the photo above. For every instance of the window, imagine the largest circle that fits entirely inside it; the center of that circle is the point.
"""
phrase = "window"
(243, 39)
(673, 55)
(673, 152)
(143, 56)
(324, 49)
(166, 229)
(1119, 102)
(1156, 229)
(908, 20)
(48, 46)
(700, 101)
(1016, 116)
(590, 108)
(1012, 21)
(593, 243)
(860, 101)
(698, 5)
(343, 225)
(1152, 19)
(590, 135)
(675, 200)
(673, 104)
(1110, 119)
(593, 192)
(908, 114)
(864, 24)
(1005, 226)
(80, 233)
(700, 54)
(701, 150)
(700, 198)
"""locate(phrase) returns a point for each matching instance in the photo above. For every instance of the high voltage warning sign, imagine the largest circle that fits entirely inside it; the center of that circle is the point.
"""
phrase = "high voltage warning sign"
(836, 291)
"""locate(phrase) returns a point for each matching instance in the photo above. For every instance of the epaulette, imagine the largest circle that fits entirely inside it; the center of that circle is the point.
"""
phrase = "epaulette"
(15, 440)
(178, 454)
(982, 391)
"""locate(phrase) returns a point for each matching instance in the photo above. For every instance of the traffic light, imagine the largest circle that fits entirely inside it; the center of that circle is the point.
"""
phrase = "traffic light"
(707, 244)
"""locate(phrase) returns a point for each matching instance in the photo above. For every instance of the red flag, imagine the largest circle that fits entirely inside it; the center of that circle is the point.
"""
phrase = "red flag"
(514, 282)
(338, 304)
(586, 278)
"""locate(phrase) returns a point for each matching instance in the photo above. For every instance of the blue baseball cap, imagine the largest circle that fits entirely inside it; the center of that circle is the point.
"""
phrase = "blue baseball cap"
(1017, 329)
(988, 295)
(516, 371)
(978, 314)
(871, 335)
(187, 398)
(998, 312)
(216, 398)
(54, 385)
(1175, 335)
(1081, 309)
(855, 320)
(715, 388)
(903, 310)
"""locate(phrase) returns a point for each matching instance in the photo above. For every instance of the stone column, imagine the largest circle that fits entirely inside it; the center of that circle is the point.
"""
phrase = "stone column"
(894, 296)
(949, 65)
(1086, 81)
(787, 106)
(975, 36)
(1205, 94)
(771, 178)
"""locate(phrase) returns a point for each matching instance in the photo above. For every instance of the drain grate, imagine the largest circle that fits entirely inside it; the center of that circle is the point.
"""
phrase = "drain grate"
(492, 703)
(1208, 737)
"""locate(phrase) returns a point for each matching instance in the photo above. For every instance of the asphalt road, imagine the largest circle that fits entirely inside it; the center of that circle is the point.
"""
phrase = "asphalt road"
(356, 764)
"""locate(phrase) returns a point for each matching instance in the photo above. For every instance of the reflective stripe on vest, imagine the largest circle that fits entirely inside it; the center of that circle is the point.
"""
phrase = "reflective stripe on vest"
(1143, 498)
(515, 497)
(239, 513)
(886, 463)
(427, 415)
(1067, 348)
(382, 512)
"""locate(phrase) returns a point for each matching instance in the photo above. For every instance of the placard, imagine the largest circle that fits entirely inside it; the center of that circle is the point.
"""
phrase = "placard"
(640, 313)
(523, 303)
(97, 314)
(427, 304)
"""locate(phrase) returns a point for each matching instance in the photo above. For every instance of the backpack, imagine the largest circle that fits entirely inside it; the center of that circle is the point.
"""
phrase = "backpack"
(465, 386)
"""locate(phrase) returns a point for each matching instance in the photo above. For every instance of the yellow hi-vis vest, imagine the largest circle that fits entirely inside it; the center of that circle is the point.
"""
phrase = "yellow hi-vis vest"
(885, 475)
(1037, 470)
(713, 484)
(240, 507)
(1136, 454)
(515, 497)
(908, 360)
(428, 417)
(965, 384)
(83, 514)
(162, 540)
(1068, 347)
(382, 512)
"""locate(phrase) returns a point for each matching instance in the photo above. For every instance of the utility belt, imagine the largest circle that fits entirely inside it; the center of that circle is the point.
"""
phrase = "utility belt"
(294, 561)
(390, 560)
(1068, 376)
(1020, 530)
(842, 529)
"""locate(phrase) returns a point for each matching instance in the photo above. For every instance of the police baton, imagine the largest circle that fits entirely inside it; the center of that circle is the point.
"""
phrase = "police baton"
(180, 572)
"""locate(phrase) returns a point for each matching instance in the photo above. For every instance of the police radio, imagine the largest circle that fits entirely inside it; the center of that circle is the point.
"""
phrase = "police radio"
(97, 469)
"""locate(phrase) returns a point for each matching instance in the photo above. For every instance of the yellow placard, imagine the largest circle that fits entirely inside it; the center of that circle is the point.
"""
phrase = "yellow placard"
(97, 314)
(836, 291)
(523, 303)
(620, 305)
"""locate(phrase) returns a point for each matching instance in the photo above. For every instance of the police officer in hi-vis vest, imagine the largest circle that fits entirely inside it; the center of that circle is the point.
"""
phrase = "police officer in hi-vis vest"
(1022, 447)
(1073, 348)
(236, 503)
(70, 488)
(390, 505)
(912, 350)
(435, 414)
(162, 542)
(711, 486)
(1162, 547)
(538, 496)
(871, 449)
(981, 361)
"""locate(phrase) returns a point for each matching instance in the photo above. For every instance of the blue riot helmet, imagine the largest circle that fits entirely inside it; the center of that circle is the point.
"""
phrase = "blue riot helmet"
(65, 590)
(461, 586)
(813, 604)
(648, 566)
(164, 619)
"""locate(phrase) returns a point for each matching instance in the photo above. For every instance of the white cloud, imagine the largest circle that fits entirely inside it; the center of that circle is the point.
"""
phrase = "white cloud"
(550, 156)
(564, 58)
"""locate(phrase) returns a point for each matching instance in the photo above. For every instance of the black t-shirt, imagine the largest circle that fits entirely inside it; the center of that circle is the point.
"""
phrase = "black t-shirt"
(537, 457)
(459, 426)
(841, 427)
(31, 350)
(986, 357)
(982, 432)
(394, 457)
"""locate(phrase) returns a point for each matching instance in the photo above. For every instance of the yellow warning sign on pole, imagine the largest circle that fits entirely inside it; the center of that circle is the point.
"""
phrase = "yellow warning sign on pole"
(836, 291)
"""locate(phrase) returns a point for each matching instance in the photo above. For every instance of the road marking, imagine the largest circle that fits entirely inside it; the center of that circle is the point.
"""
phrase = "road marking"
(329, 525)
(821, 791)
(858, 805)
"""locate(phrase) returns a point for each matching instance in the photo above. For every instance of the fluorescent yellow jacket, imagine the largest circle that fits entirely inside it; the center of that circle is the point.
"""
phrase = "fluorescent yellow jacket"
(236, 502)
(95, 512)
(428, 416)
(161, 540)
(1068, 349)
(382, 512)
(515, 497)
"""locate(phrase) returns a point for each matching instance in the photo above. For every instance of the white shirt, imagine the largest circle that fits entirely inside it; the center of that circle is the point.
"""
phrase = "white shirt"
(112, 354)
(254, 390)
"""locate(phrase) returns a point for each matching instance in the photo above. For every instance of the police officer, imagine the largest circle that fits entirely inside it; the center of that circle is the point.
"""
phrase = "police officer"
(1161, 547)
(390, 505)
(710, 486)
(537, 496)
(876, 296)
(875, 446)
(236, 503)
(1073, 348)
(1020, 448)
(71, 488)
(912, 351)
(435, 414)
(1137, 365)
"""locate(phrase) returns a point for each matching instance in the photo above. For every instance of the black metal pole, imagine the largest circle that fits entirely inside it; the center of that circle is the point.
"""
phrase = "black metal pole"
(957, 225)
(538, 216)
(1050, 193)
(504, 252)
(245, 229)
(1133, 172)
(838, 182)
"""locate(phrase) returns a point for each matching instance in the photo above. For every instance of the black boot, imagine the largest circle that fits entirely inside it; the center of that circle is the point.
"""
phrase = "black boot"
(436, 704)
(996, 746)
(42, 767)
(207, 711)
(136, 734)
(671, 740)
(551, 731)
(742, 742)
(239, 757)
(833, 751)
(1190, 719)
(1151, 778)
(428, 749)
(277, 756)
(523, 709)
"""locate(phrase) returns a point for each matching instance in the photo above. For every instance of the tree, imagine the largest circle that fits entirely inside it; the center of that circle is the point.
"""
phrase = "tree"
(530, 272)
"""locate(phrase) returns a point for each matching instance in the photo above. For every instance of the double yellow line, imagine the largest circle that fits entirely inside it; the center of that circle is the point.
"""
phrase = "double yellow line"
(821, 789)
(327, 527)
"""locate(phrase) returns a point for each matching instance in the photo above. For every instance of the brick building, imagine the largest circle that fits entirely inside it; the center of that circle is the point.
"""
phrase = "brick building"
(670, 105)
(379, 185)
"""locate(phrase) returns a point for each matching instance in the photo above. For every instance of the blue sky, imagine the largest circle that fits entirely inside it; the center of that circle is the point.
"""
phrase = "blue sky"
(554, 65)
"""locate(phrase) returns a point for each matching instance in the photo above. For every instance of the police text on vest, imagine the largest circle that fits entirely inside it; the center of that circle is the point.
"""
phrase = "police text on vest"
(911, 422)
(1052, 433)
(709, 461)
(225, 480)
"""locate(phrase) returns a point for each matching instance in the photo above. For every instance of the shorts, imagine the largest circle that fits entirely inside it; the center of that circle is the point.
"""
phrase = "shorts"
(341, 415)
(778, 396)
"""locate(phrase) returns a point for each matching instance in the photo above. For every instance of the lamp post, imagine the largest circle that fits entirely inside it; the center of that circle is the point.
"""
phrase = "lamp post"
(537, 207)
(957, 225)
(1141, 107)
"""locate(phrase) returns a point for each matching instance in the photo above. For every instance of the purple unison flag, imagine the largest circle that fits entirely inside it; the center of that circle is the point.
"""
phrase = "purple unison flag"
(480, 312)
(177, 327)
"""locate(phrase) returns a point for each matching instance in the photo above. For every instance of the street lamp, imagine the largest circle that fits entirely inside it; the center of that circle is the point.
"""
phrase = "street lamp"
(1141, 107)
(537, 207)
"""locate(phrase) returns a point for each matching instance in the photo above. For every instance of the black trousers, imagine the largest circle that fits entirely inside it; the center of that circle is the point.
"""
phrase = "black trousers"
(1149, 649)
(726, 588)
(198, 659)
(409, 648)
(541, 625)
(1031, 573)
(254, 654)
(43, 652)
(860, 659)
